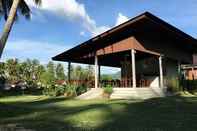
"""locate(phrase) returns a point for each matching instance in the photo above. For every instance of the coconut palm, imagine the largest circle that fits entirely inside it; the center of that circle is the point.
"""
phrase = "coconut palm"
(10, 10)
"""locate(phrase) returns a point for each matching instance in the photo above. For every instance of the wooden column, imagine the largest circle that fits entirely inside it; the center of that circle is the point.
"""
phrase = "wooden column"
(69, 66)
(99, 74)
(133, 68)
(96, 71)
(161, 72)
(192, 73)
(179, 67)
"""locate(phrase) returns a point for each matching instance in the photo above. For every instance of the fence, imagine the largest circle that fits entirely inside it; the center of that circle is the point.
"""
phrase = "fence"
(113, 83)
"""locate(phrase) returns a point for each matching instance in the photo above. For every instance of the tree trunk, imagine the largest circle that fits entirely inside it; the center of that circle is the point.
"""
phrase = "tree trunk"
(8, 25)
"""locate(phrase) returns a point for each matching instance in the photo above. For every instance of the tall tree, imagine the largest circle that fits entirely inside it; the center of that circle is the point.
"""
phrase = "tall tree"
(90, 72)
(10, 10)
(12, 70)
(48, 77)
(60, 75)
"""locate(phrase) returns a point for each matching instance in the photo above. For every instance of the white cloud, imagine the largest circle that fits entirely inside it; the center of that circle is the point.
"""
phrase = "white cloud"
(82, 33)
(24, 49)
(121, 19)
(74, 11)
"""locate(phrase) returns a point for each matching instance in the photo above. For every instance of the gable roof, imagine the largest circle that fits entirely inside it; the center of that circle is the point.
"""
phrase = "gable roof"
(93, 44)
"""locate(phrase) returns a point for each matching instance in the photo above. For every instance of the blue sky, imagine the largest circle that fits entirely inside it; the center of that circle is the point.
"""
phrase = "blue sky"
(56, 27)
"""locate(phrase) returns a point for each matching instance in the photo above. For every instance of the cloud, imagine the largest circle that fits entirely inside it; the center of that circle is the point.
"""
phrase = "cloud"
(24, 49)
(74, 11)
(82, 33)
(121, 19)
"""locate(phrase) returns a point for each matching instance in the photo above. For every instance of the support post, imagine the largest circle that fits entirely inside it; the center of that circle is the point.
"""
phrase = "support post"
(161, 71)
(192, 73)
(99, 74)
(179, 67)
(69, 66)
(133, 68)
(96, 70)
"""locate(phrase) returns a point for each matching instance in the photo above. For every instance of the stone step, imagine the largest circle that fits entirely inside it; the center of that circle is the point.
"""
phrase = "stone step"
(126, 93)
(91, 94)
(130, 89)
(125, 97)
(137, 94)
(123, 92)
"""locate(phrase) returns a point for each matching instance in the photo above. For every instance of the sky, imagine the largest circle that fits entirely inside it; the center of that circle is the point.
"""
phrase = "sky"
(58, 26)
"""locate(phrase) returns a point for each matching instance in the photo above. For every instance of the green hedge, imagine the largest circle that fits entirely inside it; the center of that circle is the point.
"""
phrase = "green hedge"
(189, 85)
(69, 89)
(176, 84)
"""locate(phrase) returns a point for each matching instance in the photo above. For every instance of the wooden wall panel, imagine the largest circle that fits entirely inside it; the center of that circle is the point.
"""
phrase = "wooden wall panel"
(195, 59)
(123, 45)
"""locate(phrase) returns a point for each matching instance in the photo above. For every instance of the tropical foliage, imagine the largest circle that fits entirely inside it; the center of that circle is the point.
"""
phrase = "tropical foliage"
(177, 84)
(10, 10)
(173, 84)
(49, 78)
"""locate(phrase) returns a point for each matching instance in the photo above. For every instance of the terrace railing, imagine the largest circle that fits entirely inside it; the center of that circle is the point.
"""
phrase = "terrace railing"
(113, 83)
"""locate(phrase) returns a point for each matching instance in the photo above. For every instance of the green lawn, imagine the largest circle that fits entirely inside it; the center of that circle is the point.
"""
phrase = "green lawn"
(57, 114)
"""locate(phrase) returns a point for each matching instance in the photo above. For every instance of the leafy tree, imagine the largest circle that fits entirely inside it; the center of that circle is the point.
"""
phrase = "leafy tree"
(79, 73)
(90, 72)
(12, 68)
(106, 77)
(40, 70)
(2, 74)
(10, 10)
(60, 72)
(48, 77)
(2, 69)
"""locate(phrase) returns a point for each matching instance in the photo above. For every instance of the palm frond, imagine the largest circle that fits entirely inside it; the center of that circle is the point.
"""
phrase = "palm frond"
(1, 8)
(5, 8)
(24, 9)
(38, 2)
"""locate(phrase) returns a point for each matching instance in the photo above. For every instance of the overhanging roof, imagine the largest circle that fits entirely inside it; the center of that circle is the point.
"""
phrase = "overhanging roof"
(141, 23)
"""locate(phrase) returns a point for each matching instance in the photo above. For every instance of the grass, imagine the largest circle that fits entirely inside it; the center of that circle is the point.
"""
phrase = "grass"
(47, 114)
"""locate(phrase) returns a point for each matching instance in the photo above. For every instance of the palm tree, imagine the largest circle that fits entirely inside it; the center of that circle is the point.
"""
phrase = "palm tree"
(10, 10)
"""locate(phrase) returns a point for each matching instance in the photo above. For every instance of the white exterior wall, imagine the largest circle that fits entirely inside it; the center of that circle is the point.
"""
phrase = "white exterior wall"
(154, 80)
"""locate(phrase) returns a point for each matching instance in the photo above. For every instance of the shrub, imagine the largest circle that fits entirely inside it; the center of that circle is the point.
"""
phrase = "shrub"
(173, 84)
(49, 90)
(71, 90)
(60, 90)
(108, 89)
(189, 85)
(81, 89)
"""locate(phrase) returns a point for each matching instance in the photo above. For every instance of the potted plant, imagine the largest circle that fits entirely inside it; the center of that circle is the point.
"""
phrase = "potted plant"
(70, 90)
(107, 91)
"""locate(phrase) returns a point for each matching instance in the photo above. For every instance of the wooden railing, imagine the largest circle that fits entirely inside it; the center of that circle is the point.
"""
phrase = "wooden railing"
(113, 83)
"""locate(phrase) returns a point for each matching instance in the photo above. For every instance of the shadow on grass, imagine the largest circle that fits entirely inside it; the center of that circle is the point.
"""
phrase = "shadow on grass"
(158, 114)
(19, 92)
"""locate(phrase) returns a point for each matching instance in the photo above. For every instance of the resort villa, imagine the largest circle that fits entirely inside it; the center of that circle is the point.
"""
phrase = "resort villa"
(147, 49)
